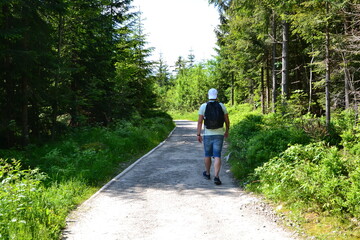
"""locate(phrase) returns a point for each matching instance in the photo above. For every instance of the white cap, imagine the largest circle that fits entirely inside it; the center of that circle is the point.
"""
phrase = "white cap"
(212, 93)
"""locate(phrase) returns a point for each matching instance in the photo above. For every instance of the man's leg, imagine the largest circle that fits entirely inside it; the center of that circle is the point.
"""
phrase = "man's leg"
(207, 161)
(208, 152)
(218, 144)
(217, 166)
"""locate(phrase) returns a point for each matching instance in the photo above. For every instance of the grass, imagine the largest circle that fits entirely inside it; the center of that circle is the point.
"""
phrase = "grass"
(192, 116)
(40, 188)
(330, 228)
(315, 225)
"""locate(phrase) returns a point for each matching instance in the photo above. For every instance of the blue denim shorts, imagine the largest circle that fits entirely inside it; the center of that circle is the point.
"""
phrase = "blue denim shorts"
(213, 145)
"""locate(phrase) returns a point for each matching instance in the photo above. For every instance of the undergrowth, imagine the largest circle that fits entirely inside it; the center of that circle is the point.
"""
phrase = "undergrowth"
(301, 165)
(38, 190)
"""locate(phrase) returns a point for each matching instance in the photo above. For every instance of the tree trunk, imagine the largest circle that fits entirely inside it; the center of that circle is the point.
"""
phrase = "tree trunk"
(232, 89)
(267, 84)
(285, 61)
(9, 99)
(327, 72)
(55, 111)
(274, 84)
(346, 72)
(346, 83)
(310, 83)
(25, 91)
(262, 91)
(25, 111)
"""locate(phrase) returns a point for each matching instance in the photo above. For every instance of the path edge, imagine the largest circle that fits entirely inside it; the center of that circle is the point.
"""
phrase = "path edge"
(128, 168)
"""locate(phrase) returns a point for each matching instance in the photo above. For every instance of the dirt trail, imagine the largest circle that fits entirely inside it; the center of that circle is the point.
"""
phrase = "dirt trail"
(164, 196)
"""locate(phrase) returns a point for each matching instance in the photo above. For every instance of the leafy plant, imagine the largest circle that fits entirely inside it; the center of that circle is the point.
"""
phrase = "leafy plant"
(252, 143)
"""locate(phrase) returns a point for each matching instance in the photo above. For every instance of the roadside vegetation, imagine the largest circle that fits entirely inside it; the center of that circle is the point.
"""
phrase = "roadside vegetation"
(40, 185)
(309, 175)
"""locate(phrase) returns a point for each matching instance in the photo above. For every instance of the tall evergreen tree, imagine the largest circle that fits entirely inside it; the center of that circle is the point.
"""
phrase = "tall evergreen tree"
(134, 70)
(25, 56)
(162, 74)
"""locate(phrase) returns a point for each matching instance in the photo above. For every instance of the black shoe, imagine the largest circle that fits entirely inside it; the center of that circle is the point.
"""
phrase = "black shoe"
(217, 181)
(206, 176)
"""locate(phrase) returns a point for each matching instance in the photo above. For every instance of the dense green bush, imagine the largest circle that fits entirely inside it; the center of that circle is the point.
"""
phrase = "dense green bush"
(253, 142)
(315, 175)
(28, 210)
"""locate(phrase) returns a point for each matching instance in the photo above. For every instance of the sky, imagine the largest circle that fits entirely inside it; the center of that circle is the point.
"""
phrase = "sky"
(177, 27)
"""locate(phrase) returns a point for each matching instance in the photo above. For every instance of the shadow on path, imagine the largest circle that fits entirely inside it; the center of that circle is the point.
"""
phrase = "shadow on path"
(176, 165)
(164, 196)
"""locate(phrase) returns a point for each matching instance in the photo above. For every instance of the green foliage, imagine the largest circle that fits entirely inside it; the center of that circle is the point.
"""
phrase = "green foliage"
(82, 59)
(314, 175)
(317, 130)
(192, 116)
(93, 154)
(253, 142)
(28, 210)
(239, 112)
(190, 88)
(297, 162)
(250, 56)
(34, 202)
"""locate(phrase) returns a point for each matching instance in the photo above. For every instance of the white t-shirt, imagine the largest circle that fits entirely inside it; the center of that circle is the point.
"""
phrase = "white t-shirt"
(217, 131)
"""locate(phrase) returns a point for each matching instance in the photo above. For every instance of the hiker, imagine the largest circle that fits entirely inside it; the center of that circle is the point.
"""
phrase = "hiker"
(214, 115)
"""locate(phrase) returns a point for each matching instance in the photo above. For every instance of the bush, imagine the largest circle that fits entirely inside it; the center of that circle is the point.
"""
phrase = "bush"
(315, 175)
(28, 210)
(252, 143)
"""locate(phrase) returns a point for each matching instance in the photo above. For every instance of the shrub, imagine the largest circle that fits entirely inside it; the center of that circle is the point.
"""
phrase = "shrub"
(315, 175)
(252, 143)
(28, 210)
(273, 157)
(352, 193)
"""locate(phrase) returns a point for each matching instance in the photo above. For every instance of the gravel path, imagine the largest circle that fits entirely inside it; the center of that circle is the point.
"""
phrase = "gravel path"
(164, 196)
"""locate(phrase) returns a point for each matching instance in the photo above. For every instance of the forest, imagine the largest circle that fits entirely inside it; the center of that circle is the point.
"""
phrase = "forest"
(78, 91)
(269, 51)
(67, 63)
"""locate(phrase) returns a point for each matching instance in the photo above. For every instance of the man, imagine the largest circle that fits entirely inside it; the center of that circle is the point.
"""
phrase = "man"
(213, 137)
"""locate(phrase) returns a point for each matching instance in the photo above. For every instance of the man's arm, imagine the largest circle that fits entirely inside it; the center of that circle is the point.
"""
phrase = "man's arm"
(199, 126)
(227, 125)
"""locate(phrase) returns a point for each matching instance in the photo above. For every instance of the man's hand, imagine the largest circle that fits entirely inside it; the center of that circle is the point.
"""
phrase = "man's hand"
(199, 138)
